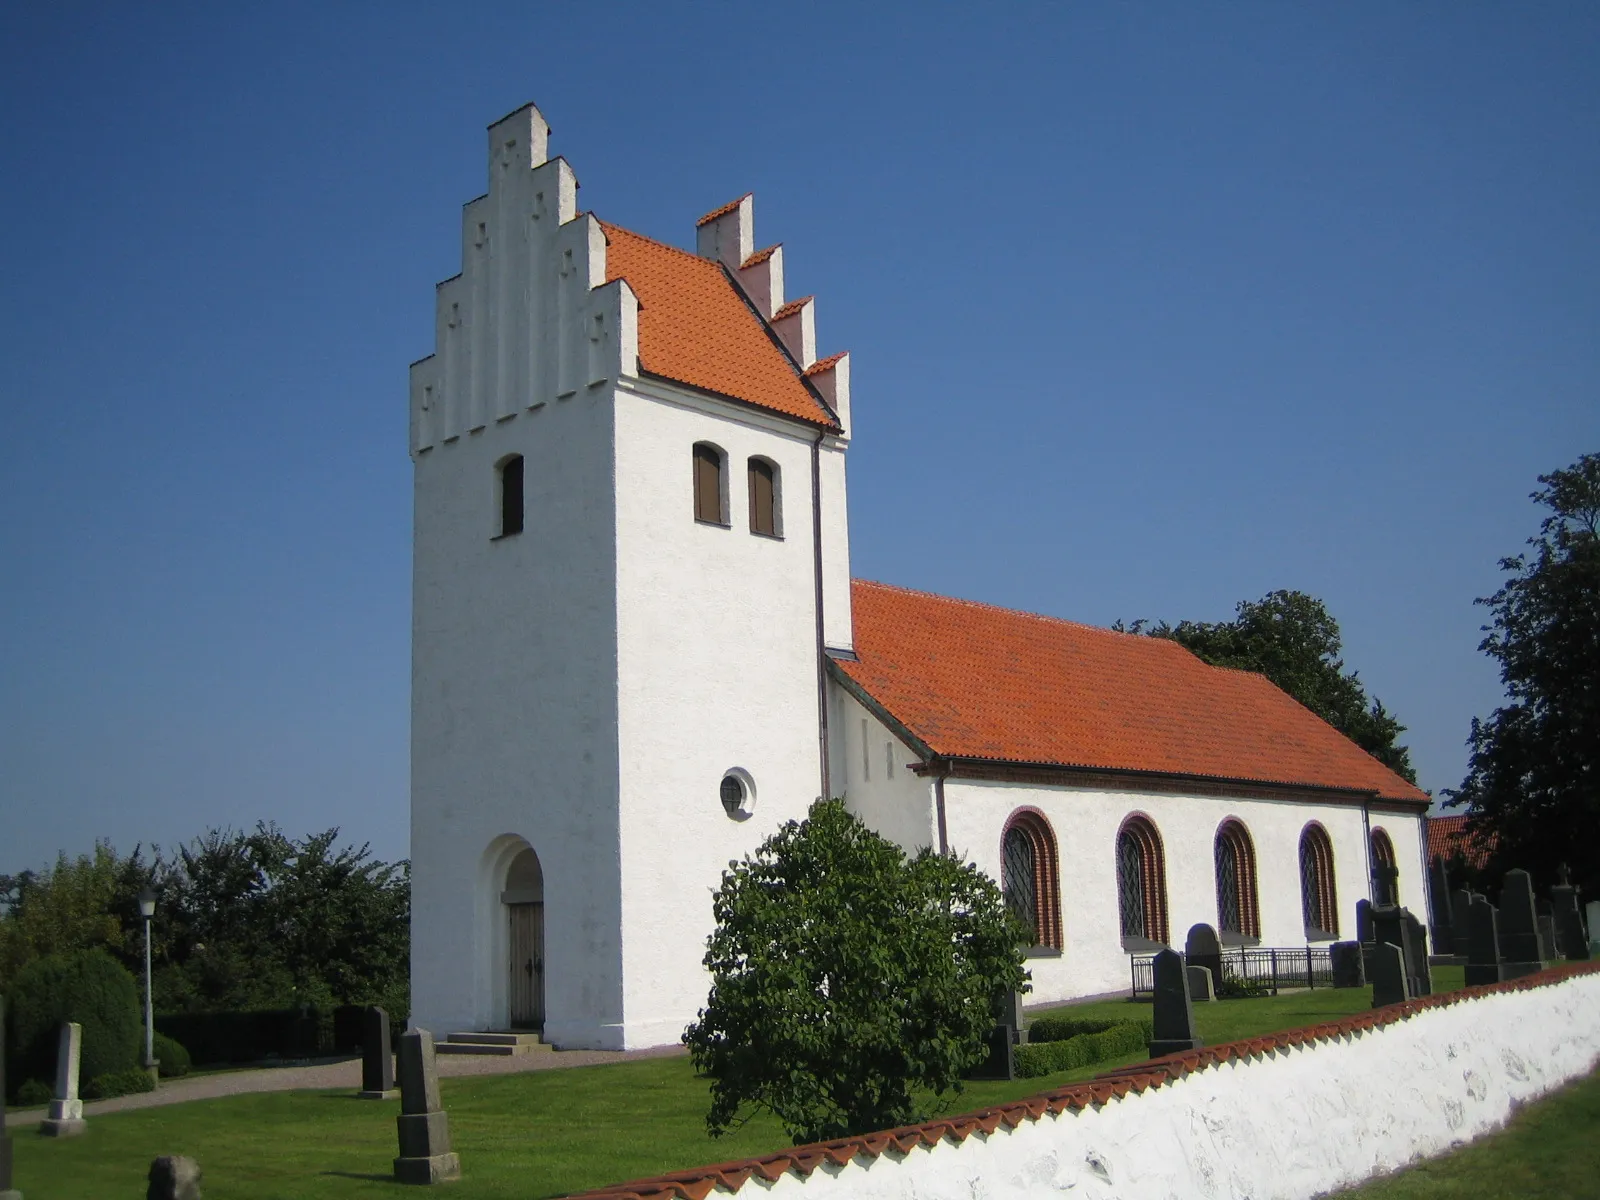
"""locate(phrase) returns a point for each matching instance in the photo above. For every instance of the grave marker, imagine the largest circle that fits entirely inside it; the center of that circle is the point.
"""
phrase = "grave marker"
(1439, 904)
(1420, 979)
(1173, 1017)
(1389, 982)
(174, 1177)
(1519, 927)
(7, 1192)
(424, 1127)
(66, 1110)
(1592, 916)
(1348, 967)
(1364, 932)
(1200, 983)
(1202, 948)
(1461, 918)
(377, 1060)
(1483, 943)
(1569, 922)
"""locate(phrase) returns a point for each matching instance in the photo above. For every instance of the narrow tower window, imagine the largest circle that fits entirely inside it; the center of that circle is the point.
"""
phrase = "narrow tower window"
(511, 496)
(763, 497)
(709, 491)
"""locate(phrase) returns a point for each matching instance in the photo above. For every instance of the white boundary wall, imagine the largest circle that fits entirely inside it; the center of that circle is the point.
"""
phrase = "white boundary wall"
(1295, 1122)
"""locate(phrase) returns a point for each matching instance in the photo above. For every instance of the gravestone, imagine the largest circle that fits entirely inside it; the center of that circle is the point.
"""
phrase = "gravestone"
(1389, 982)
(1483, 943)
(1201, 986)
(377, 1060)
(1419, 977)
(173, 1177)
(1461, 918)
(1348, 966)
(1386, 886)
(1519, 928)
(1547, 938)
(1364, 932)
(66, 1110)
(1439, 904)
(1569, 922)
(1000, 1062)
(1173, 1017)
(425, 1154)
(7, 1192)
(1202, 948)
(1592, 918)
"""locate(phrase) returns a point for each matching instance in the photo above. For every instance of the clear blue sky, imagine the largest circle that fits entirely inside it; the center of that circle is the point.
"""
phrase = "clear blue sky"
(1152, 309)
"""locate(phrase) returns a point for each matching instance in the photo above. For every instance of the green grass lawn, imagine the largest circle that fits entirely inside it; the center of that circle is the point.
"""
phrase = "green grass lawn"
(545, 1133)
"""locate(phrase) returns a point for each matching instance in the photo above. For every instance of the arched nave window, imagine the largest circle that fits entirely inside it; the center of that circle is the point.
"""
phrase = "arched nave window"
(1385, 868)
(1141, 884)
(1029, 875)
(1238, 909)
(1318, 897)
(710, 485)
(764, 503)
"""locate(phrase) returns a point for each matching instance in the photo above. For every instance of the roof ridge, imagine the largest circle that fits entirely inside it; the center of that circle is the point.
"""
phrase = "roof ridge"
(722, 210)
(1025, 612)
(610, 227)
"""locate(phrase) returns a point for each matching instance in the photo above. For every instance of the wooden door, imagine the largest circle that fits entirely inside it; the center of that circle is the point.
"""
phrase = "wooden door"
(527, 965)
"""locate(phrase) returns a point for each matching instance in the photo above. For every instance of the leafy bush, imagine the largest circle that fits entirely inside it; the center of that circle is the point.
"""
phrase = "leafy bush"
(34, 1093)
(119, 1083)
(846, 980)
(174, 1059)
(89, 987)
(1059, 1029)
(1237, 987)
(251, 1036)
(1046, 1058)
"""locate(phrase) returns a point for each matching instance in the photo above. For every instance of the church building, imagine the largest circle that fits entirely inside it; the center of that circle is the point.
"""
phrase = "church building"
(638, 649)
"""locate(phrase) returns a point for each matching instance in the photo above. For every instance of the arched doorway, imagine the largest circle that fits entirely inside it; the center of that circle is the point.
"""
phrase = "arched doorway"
(523, 899)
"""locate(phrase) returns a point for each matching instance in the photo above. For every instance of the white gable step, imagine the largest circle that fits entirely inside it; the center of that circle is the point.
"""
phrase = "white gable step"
(491, 1043)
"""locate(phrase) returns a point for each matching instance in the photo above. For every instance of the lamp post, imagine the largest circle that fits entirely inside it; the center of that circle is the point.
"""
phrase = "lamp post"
(147, 909)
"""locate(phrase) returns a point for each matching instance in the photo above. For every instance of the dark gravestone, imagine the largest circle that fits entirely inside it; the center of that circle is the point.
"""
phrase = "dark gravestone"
(1569, 922)
(1418, 978)
(1201, 985)
(1483, 943)
(1000, 1062)
(1386, 885)
(1364, 922)
(1547, 938)
(1439, 904)
(1173, 1017)
(1348, 969)
(1460, 920)
(425, 1154)
(1519, 928)
(377, 1061)
(174, 1177)
(6, 1190)
(1389, 983)
(1203, 949)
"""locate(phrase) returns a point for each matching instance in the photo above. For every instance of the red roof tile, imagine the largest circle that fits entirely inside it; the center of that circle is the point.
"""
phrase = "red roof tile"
(976, 682)
(825, 364)
(696, 329)
(1447, 837)
(723, 211)
(759, 257)
(794, 306)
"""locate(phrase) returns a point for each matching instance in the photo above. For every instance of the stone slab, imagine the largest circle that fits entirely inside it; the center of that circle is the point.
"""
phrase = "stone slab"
(391, 1094)
(1348, 962)
(377, 1061)
(1518, 920)
(63, 1127)
(437, 1168)
(1201, 985)
(423, 1135)
(1390, 985)
(1483, 943)
(1173, 1015)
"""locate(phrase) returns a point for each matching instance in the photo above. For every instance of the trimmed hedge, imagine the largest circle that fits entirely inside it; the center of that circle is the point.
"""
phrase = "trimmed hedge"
(243, 1037)
(169, 1052)
(34, 1094)
(1046, 1058)
(119, 1083)
(1059, 1029)
(89, 987)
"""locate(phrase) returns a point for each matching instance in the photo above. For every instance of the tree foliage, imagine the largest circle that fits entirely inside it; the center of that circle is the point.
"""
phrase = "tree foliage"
(1294, 641)
(847, 981)
(1533, 778)
(87, 986)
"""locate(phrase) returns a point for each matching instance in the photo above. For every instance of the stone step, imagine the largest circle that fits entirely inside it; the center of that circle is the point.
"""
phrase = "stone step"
(491, 1042)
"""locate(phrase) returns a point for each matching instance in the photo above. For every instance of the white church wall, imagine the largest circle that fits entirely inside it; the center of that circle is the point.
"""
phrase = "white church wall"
(1406, 833)
(871, 774)
(717, 669)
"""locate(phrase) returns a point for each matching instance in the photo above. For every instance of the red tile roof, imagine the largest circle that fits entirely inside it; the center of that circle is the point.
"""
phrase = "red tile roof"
(723, 211)
(759, 257)
(825, 364)
(699, 1182)
(971, 681)
(696, 329)
(794, 306)
(1447, 837)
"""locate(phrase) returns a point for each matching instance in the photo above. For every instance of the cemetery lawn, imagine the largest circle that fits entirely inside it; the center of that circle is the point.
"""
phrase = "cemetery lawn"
(540, 1134)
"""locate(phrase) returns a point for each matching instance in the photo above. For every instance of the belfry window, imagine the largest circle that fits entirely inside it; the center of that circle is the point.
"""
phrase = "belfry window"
(1318, 897)
(509, 485)
(1029, 877)
(764, 514)
(1141, 885)
(1238, 909)
(710, 485)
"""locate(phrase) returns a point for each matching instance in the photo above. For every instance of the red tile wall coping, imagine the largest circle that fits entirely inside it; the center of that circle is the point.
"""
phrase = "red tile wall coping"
(700, 1182)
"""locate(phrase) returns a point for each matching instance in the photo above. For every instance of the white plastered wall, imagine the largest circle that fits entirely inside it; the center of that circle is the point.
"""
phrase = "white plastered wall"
(871, 773)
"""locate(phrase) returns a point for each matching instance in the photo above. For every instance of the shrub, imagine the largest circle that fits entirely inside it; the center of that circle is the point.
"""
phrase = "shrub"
(1046, 1058)
(119, 1083)
(89, 987)
(34, 1093)
(174, 1059)
(1059, 1029)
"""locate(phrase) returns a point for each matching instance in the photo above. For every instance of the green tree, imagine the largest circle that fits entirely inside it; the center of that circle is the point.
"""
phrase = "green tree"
(1293, 640)
(1533, 779)
(847, 981)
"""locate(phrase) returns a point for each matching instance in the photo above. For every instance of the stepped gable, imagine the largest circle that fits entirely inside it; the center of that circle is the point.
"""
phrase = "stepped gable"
(975, 682)
(695, 328)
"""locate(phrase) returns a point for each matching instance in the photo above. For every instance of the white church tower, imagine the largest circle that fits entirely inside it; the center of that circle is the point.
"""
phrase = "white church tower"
(630, 559)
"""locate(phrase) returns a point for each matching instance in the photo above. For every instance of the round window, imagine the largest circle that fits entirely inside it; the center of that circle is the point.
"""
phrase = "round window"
(738, 794)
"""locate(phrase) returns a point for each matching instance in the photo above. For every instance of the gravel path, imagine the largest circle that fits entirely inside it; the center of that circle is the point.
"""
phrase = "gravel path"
(343, 1074)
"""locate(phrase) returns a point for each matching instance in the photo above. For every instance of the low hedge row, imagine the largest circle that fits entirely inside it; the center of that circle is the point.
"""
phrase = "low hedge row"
(243, 1037)
(1035, 1058)
(118, 1083)
(1059, 1029)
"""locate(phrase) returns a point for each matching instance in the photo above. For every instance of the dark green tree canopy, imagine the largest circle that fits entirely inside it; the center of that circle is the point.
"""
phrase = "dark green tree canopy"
(1293, 640)
(848, 983)
(1533, 780)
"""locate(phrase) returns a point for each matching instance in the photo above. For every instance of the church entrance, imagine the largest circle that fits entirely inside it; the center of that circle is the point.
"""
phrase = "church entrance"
(524, 904)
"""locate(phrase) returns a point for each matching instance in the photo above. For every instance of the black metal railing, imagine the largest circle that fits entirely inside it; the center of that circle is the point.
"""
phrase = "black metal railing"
(1252, 970)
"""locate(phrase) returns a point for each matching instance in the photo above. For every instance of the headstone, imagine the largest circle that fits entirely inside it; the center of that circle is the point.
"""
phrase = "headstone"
(174, 1177)
(1386, 885)
(1460, 918)
(1483, 943)
(425, 1154)
(377, 1060)
(1364, 922)
(1418, 978)
(1389, 983)
(1519, 928)
(1173, 1017)
(1592, 919)
(1201, 986)
(7, 1192)
(65, 1118)
(1439, 905)
(1000, 1059)
(1202, 948)
(1348, 967)
(1547, 937)
(1569, 922)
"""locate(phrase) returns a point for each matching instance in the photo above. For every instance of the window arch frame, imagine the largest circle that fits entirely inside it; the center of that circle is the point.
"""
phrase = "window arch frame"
(1032, 827)
(511, 501)
(1319, 892)
(773, 498)
(1233, 836)
(1381, 848)
(1139, 832)
(701, 455)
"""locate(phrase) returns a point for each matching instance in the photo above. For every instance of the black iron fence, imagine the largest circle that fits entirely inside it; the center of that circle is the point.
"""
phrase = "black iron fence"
(1252, 970)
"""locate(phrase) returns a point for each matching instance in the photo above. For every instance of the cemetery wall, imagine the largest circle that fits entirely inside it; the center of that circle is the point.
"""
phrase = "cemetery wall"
(1288, 1115)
